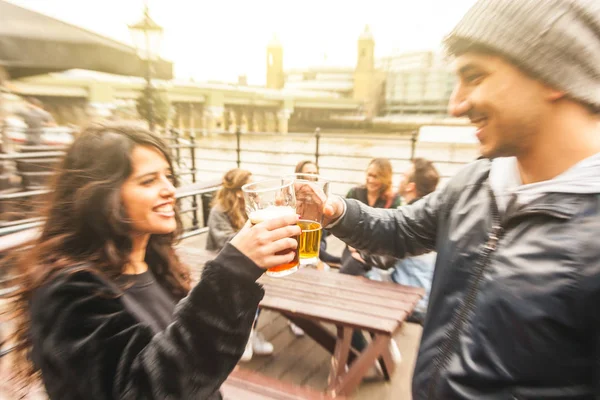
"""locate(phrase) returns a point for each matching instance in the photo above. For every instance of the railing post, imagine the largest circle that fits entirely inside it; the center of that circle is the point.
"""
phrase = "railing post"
(177, 150)
(193, 154)
(413, 145)
(317, 143)
(238, 148)
(195, 202)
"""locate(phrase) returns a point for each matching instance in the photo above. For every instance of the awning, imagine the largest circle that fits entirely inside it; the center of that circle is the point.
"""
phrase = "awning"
(32, 43)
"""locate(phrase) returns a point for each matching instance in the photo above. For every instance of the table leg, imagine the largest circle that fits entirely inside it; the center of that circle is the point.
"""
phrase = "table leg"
(320, 335)
(351, 379)
(388, 366)
(339, 360)
(317, 332)
(387, 363)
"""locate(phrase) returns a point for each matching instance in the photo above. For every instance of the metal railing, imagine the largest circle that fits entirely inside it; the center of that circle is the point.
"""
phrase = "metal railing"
(188, 141)
(194, 161)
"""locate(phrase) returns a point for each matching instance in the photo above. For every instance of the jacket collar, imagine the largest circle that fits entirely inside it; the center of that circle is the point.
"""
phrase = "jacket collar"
(558, 205)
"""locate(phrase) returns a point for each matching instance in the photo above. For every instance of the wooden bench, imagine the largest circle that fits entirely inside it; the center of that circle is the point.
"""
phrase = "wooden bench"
(243, 384)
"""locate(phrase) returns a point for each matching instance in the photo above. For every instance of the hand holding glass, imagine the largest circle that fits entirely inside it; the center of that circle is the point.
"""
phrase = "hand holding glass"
(311, 195)
(267, 200)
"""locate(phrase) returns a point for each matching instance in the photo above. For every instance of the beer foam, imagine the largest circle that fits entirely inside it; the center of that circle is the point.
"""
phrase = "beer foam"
(271, 212)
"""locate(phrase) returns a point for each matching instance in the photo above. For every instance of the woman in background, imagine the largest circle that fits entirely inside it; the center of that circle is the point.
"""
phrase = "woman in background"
(308, 167)
(376, 192)
(227, 216)
(304, 169)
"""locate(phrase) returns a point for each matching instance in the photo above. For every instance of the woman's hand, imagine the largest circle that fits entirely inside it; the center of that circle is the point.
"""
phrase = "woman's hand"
(269, 243)
(356, 255)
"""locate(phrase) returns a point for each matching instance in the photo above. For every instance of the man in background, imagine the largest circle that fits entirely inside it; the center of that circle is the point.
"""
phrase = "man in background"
(36, 119)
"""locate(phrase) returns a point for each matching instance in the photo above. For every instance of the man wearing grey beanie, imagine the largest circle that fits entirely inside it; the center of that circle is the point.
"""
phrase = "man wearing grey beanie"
(512, 308)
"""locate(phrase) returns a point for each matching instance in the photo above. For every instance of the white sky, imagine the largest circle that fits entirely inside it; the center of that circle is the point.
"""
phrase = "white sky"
(221, 39)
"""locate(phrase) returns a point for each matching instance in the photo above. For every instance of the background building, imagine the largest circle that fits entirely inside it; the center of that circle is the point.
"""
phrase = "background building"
(395, 93)
(416, 83)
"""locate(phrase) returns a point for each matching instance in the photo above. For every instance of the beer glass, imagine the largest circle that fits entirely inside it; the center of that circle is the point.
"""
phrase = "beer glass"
(311, 194)
(269, 199)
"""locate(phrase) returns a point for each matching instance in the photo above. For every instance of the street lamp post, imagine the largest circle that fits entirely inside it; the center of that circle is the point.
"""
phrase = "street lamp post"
(147, 35)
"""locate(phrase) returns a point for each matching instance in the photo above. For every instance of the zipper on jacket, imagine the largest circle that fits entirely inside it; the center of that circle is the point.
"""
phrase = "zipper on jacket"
(459, 319)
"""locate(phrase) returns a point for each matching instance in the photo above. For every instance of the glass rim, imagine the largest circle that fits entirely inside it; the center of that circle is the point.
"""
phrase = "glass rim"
(294, 176)
(289, 182)
(312, 229)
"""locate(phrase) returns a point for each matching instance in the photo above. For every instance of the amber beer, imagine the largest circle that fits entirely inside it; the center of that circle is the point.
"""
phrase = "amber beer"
(310, 241)
(272, 212)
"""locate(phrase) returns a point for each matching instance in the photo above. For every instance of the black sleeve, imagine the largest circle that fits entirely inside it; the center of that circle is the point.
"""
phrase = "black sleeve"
(378, 261)
(88, 346)
(407, 231)
(410, 230)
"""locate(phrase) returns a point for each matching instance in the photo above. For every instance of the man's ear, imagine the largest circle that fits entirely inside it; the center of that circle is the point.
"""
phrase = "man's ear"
(411, 187)
(555, 94)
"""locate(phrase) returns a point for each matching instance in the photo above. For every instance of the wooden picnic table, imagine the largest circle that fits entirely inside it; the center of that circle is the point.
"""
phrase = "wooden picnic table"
(311, 298)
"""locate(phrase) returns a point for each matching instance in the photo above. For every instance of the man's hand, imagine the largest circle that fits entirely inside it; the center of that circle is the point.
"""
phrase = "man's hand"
(269, 243)
(334, 208)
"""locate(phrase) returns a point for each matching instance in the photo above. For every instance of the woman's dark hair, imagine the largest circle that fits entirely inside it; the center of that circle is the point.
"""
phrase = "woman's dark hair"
(86, 226)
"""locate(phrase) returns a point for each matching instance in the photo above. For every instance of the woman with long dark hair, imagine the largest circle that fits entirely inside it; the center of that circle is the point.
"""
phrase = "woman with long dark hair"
(105, 309)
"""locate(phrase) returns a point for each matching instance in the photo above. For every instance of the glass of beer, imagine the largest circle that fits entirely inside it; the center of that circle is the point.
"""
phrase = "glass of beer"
(311, 195)
(269, 199)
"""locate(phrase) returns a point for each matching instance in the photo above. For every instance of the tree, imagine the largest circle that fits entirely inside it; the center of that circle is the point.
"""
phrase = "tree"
(160, 106)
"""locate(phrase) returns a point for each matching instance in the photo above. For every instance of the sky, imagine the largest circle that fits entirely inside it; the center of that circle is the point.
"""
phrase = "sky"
(219, 40)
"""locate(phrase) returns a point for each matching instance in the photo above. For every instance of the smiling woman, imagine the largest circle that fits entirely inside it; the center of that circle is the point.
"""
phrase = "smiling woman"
(103, 296)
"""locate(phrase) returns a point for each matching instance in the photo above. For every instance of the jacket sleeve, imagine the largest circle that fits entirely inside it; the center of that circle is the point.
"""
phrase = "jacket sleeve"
(88, 345)
(585, 308)
(378, 261)
(407, 231)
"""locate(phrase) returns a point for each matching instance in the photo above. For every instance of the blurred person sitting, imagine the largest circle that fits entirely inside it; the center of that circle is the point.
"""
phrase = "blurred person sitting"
(227, 216)
(104, 307)
(36, 118)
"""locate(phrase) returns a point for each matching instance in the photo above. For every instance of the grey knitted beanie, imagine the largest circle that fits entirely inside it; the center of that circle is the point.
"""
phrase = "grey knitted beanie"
(556, 41)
